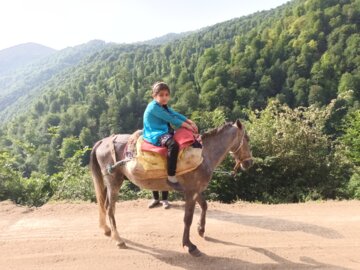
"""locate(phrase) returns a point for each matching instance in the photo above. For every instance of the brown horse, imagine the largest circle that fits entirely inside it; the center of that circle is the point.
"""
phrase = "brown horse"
(216, 145)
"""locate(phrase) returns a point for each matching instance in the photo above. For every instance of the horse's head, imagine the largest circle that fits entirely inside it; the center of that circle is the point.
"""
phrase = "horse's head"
(240, 150)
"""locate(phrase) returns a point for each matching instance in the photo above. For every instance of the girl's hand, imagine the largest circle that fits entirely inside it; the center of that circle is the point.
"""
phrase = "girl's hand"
(189, 126)
(195, 128)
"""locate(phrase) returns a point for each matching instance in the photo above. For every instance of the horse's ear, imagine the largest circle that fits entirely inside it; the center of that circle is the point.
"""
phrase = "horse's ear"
(238, 124)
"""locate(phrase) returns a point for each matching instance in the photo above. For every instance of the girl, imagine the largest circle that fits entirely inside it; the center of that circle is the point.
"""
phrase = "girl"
(158, 122)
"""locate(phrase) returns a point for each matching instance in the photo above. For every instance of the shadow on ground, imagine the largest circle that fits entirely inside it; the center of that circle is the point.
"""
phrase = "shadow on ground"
(269, 223)
(185, 261)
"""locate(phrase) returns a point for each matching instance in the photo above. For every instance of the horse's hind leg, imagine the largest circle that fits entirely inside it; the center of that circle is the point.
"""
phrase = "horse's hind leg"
(102, 213)
(112, 186)
(203, 204)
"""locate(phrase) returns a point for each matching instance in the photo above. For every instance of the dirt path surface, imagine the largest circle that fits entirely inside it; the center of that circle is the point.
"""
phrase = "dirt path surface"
(316, 235)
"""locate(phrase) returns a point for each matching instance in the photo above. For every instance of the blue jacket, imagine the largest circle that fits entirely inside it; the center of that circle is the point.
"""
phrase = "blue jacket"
(156, 119)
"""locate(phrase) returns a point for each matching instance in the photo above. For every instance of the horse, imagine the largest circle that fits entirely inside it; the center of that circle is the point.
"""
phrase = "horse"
(217, 143)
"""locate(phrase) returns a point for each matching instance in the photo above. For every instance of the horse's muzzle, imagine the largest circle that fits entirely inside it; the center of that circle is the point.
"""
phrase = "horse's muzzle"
(246, 164)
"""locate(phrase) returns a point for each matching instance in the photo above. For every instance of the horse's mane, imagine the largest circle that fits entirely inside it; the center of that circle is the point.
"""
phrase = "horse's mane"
(214, 131)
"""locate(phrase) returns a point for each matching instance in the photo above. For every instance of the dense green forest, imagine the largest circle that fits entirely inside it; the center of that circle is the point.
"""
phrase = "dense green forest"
(292, 74)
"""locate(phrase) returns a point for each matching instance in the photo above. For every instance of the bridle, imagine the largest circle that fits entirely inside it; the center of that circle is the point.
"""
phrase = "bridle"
(240, 144)
(239, 161)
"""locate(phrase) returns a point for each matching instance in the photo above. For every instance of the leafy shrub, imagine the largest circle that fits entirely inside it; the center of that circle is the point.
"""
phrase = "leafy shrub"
(351, 137)
(354, 185)
(294, 159)
(33, 191)
(74, 181)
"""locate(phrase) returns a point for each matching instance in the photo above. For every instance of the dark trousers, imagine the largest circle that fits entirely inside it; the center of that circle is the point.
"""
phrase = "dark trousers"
(164, 195)
(172, 155)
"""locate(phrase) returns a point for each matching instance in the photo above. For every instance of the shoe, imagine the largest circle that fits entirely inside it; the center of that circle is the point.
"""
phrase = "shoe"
(165, 204)
(196, 144)
(153, 203)
(176, 186)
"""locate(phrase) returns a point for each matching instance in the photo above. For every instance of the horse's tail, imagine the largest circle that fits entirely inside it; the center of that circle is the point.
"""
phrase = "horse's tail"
(97, 177)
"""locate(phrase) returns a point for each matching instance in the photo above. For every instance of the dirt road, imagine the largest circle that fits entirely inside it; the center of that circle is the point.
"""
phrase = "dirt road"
(316, 235)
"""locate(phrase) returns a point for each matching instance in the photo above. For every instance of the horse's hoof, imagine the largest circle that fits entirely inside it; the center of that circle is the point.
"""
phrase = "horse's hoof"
(201, 231)
(121, 245)
(195, 252)
(107, 233)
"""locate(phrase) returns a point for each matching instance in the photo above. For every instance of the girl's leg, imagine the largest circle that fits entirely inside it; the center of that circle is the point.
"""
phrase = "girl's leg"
(173, 151)
(164, 195)
(155, 195)
(165, 202)
(155, 200)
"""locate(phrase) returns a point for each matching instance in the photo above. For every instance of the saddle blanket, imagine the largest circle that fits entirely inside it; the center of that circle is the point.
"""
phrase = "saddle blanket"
(183, 137)
(152, 165)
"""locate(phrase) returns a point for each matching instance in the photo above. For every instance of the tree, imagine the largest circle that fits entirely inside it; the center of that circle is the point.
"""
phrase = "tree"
(97, 104)
(209, 119)
(9, 177)
(86, 139)
(295, 160)
(351, 136)
(39, 107)
(301, 92)
(73, 182)
(69, 147)
(317, 95)
(349, 81)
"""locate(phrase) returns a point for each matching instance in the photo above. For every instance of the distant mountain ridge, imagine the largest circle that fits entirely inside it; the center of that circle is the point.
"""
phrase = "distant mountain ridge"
(23, 83)
(169, 37)
(21, 55)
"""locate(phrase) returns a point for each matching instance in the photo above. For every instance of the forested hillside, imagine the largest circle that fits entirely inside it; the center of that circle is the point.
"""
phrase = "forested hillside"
(291, 72)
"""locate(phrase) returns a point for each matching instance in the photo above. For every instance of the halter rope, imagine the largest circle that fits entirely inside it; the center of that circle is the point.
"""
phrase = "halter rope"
(241, 143)
(238, 163)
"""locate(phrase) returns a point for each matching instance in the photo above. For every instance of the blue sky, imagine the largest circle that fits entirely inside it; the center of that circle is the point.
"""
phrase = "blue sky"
(63, 23)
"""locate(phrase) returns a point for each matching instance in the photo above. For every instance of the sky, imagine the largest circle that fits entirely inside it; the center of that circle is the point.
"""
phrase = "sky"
(63, 23)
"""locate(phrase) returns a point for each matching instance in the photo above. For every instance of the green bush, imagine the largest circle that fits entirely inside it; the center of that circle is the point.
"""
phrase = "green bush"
(351, 137)
(294, 160)
(74, 181)
(354, 185)
(33, 191)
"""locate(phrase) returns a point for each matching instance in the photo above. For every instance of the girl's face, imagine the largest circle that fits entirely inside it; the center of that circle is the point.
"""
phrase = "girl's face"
(162, 97)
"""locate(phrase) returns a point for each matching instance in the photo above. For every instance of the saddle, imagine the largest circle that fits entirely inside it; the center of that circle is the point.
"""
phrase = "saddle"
(183, 137)
(150, 162)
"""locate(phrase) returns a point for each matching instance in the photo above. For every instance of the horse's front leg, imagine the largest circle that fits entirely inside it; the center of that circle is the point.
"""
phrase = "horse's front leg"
(113, 186)
(188, 217)
(203, 204)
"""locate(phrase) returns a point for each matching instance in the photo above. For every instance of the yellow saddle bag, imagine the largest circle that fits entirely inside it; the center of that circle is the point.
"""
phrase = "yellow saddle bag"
(151, 165)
